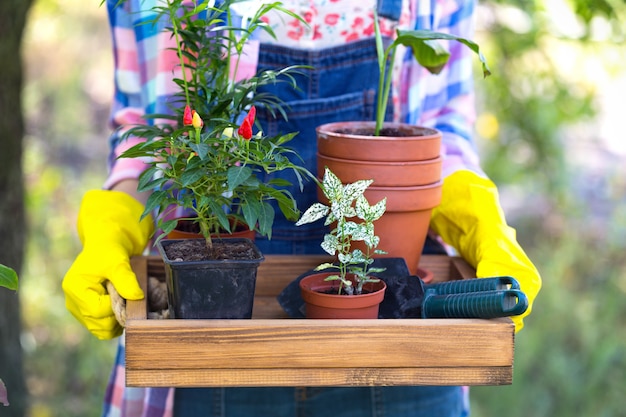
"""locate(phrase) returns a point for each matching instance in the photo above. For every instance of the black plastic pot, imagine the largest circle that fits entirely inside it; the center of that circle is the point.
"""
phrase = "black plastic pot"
(213, 289)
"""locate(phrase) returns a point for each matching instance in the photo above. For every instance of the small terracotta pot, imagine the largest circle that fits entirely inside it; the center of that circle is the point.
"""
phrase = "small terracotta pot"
(323, 302)
(396, 174)
(419, 144)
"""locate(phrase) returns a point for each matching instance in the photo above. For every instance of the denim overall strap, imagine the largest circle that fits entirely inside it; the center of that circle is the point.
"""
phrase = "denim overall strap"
(390, 9)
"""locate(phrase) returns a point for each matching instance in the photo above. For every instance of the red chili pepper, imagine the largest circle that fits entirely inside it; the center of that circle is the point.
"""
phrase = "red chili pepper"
(187, 116)
(245, 130)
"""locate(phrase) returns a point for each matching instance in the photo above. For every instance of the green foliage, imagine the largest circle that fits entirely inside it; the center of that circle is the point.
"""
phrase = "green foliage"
(210, 165)
(207, 173)
(426, 50)
(347, 202)
(534, 95)
(8, 278)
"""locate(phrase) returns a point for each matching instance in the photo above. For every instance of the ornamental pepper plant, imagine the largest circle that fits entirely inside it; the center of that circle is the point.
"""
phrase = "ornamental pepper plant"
(208, 155)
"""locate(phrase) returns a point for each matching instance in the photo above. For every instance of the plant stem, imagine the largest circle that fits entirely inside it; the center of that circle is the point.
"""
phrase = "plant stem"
(206, 232)
(383, 95)
(179, 51)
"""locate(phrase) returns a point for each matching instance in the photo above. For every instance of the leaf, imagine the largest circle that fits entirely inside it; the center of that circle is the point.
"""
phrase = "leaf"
(202, 149)
(154, 200)
(361, 231)
(190, 176)
(8, 278)
(218, 211)
(330, 244)
(168, 226)
(266, 219)
(378, 209)
(428, 53)
(431, 55)
(352, 191)
(313, 213)
(370, 213)
(251, 210)
(331, 186)
(237, 176)
(325, 265)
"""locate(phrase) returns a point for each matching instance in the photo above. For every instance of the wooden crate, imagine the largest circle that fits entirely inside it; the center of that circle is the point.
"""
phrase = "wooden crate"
(273, 350)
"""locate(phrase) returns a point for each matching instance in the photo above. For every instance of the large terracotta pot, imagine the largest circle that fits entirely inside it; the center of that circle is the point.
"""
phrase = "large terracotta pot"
(404, 226)
(323, 302)
(411, 181)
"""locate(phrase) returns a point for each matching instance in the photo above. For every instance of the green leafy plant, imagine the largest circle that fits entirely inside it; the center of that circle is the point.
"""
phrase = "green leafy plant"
(347, 203)
(212, 163)
(427, 52)
(8, 278)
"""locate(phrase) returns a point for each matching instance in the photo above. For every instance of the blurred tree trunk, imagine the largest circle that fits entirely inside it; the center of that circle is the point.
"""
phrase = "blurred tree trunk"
(12, 218)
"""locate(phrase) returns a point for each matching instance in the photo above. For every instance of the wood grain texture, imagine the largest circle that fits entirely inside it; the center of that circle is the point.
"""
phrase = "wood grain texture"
(313, 377)
(272, 350)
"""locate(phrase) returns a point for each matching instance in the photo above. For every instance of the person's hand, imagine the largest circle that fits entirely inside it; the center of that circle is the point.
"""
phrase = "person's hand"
(110, 230)
(471, 220)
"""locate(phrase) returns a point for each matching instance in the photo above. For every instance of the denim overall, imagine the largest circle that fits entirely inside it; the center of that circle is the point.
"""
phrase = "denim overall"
(341, 86)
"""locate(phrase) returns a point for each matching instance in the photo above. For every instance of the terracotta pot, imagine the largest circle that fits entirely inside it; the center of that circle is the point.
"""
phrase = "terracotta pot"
(323, 302)
(404, 226)
(421, 142)
(397, 174)
(240, 232)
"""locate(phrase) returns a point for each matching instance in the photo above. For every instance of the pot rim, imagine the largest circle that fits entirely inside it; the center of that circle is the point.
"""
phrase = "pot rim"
(432, 133)
(211, 263)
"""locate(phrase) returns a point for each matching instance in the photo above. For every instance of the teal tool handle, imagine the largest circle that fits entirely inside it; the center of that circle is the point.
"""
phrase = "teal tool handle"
(484, 305)
(473, 285)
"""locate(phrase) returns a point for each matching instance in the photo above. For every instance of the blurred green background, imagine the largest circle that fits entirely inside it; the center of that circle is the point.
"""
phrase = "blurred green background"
(549, 135)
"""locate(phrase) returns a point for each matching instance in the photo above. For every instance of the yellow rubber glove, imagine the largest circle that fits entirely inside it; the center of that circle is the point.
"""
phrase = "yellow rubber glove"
(471, 220)
(110, 230)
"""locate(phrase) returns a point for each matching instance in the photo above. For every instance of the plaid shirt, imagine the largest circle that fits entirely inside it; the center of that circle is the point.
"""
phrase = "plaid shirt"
(145, 66)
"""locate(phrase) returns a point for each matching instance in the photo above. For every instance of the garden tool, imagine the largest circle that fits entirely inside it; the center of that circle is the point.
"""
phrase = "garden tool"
(470, 298)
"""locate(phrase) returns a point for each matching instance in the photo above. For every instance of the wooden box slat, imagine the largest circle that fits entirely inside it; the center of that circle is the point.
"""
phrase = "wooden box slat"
(273, 350)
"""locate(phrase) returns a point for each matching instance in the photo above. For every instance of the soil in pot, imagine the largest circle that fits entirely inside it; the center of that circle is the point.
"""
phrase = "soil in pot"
(196, 250)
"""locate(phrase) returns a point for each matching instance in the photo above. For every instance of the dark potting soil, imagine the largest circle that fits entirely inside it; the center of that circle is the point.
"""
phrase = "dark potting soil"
(196, 250)
(385, 131)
